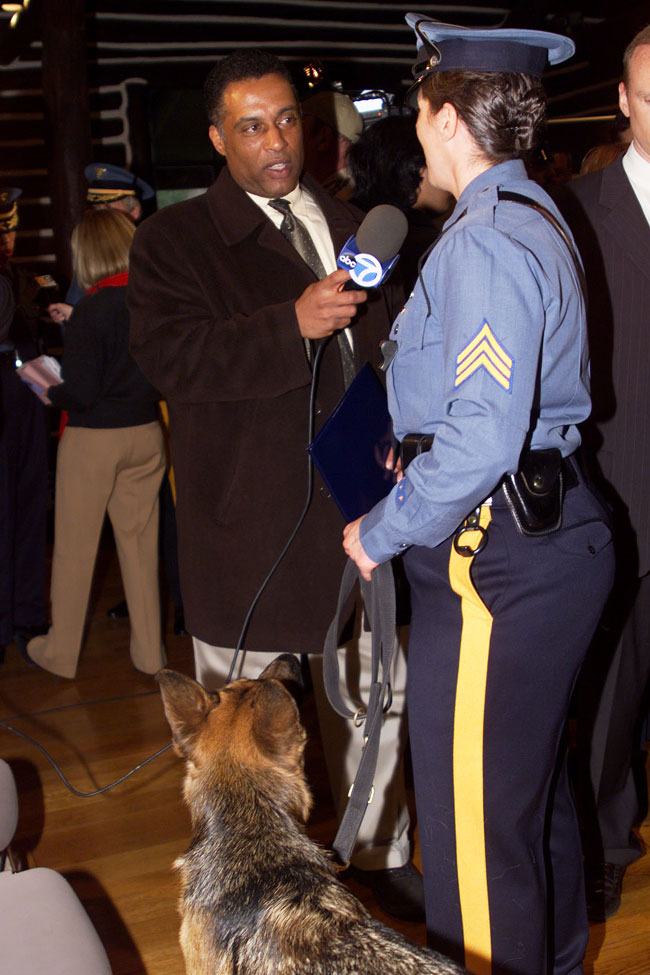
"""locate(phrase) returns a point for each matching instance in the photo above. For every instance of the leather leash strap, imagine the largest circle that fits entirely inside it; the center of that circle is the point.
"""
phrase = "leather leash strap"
(379, 601)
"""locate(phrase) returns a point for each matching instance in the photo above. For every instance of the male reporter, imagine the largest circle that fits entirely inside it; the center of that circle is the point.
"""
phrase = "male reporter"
(224, 312)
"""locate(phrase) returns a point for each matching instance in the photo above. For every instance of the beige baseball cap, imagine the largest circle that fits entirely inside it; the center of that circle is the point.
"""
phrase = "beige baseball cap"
(336, 110)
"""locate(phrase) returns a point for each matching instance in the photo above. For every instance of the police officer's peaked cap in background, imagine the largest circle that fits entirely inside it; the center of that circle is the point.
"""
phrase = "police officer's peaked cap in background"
(336, 110)
(446, 47)
(107, 183)
(9, 208)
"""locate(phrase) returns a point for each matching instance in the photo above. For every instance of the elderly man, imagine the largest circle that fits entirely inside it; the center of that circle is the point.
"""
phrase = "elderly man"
(331, 124)
(229, 294)
(610, 214)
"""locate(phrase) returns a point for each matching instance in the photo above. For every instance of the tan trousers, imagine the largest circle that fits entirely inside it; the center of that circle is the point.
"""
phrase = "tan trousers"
(383, 840)
(118, 471)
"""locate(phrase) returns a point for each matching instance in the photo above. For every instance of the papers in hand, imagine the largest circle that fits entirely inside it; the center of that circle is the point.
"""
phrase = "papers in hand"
(39, 374)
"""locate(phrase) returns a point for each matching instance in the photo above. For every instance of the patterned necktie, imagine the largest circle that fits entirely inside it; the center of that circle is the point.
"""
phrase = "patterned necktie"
(297, 234)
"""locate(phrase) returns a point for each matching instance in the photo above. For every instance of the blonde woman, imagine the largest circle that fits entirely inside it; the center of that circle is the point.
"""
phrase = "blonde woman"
(110, 458)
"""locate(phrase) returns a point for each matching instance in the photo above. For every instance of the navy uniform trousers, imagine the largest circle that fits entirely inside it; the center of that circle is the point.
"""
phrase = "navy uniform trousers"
(497, 640)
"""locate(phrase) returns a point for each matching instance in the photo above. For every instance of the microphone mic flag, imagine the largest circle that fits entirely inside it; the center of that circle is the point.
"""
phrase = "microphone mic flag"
(371, 255)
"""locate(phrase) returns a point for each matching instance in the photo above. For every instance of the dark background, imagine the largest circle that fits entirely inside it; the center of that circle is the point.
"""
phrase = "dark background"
(144, 67)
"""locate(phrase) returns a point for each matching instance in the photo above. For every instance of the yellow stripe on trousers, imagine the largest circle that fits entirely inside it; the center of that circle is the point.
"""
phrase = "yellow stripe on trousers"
(468, 758)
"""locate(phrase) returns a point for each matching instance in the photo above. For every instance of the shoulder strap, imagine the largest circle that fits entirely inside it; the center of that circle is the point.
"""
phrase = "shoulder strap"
(510, 197)
(379, 601)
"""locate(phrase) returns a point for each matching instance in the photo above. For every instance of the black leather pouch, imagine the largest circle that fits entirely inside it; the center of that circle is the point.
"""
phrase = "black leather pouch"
(534, 494)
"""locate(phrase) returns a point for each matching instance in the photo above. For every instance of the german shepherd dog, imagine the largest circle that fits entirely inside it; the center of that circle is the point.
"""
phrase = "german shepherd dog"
(258, 896)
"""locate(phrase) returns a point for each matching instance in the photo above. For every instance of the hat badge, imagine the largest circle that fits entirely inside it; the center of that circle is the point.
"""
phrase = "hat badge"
(100, 171)
(435, 57)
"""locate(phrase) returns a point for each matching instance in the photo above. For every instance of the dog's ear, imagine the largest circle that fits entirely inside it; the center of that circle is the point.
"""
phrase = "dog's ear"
(276, 724)
(186, 705)
(286, 668)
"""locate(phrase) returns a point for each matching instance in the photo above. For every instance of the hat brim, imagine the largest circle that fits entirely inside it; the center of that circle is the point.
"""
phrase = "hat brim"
(446, 47)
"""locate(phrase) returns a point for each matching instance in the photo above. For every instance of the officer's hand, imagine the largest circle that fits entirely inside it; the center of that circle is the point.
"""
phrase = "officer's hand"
(356, 551)
(324, 308)
(59, 311)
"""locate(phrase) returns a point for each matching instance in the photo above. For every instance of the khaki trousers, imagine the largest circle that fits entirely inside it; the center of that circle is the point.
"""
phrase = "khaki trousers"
(383, 841)
(118, 471)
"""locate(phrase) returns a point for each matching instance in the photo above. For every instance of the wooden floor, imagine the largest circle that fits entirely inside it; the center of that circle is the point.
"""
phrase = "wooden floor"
(116, 849)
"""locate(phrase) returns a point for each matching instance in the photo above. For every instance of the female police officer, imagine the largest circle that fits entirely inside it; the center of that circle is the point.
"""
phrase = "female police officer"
(508, 553)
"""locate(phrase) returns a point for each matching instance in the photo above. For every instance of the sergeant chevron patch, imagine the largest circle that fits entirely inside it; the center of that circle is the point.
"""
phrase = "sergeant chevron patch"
(484, 351)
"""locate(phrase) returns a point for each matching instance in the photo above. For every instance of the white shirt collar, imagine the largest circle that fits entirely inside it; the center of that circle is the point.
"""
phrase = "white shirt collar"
(294, 198)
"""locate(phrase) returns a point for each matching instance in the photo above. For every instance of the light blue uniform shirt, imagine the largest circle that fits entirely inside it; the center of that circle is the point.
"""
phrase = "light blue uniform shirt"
(496, 359)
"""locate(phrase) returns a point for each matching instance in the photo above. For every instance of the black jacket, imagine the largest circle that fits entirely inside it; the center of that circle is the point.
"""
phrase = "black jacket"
(103, 387)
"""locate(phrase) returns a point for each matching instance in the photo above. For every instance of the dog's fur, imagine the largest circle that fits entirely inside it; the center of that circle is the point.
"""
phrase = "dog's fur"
(258, 896)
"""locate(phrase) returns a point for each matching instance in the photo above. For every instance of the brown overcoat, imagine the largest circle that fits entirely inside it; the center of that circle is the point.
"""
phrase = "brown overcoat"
(211, 297)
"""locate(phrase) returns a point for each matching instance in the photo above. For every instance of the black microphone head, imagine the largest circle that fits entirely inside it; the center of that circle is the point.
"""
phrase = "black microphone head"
(382, 232)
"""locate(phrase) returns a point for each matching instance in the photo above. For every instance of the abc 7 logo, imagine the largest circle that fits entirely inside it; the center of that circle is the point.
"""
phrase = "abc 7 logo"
(367, 271)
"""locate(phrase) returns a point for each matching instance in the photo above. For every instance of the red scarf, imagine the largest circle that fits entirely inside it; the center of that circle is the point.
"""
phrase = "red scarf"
(118, 280)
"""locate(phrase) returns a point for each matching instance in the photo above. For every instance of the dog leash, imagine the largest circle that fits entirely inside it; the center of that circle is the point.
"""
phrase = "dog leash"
(379, 601)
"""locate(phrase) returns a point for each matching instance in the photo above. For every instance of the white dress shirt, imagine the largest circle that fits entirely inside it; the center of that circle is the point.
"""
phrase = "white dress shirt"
(637, 170)
(305, 207)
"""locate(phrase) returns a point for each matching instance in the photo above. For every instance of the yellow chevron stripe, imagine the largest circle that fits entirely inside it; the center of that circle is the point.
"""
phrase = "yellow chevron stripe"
(483, 361)
(485, 333)
(486, 349)
(468, 759)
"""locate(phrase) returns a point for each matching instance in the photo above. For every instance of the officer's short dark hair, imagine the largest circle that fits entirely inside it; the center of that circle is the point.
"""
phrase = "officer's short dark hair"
(504, 112)
(239, 66)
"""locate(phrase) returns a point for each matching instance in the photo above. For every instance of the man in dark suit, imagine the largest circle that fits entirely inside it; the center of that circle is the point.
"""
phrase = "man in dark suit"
(224, 315)
(609, 211)
(23, 446)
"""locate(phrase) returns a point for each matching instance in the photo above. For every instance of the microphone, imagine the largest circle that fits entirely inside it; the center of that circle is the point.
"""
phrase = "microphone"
(371, 255)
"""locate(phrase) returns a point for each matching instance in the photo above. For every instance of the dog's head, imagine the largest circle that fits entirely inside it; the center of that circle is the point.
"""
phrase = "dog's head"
(251, 724)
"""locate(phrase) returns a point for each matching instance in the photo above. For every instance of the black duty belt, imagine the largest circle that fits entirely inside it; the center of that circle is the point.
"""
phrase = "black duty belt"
(534, 495)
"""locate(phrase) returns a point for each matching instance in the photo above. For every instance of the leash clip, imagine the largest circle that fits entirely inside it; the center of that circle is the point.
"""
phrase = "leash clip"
(471, 524)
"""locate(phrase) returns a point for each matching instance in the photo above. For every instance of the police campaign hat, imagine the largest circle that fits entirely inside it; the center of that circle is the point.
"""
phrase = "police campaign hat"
(9, 208)
(107, 183)
(446, 47)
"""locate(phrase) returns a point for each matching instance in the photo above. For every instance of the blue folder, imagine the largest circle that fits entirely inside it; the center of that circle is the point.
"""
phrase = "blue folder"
(350, 449)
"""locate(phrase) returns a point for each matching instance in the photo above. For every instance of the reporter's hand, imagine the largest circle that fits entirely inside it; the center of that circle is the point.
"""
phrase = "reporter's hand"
(324, 308)
(355, 550)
